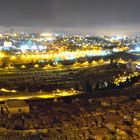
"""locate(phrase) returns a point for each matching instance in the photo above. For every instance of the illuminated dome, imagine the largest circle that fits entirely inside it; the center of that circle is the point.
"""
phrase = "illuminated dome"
(7, 44)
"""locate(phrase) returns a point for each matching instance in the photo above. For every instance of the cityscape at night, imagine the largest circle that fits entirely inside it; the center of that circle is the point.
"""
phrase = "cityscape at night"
(69, 70)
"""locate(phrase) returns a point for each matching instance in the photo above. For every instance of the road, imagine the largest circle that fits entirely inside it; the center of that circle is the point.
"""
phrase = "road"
(40, 95)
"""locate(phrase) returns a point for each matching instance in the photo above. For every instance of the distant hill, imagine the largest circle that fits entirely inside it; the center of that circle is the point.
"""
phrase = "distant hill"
(123, 55)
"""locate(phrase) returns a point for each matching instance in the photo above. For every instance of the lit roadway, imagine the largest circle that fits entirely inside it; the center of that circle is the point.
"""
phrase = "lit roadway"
(40, 95)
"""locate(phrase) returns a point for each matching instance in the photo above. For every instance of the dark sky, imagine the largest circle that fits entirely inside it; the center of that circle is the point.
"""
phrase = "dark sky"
(82, 16)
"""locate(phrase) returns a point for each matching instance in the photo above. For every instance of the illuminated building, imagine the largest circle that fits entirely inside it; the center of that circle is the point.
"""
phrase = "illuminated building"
(7, 45)
(15, 107)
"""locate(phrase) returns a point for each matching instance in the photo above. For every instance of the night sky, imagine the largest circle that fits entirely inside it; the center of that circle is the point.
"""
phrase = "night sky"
(103, 17)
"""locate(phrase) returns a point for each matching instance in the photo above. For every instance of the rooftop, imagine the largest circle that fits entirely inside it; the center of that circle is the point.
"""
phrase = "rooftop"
(16, 103)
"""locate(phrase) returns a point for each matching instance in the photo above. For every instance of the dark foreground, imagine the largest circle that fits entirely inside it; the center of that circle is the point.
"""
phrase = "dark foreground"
(106, 115)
